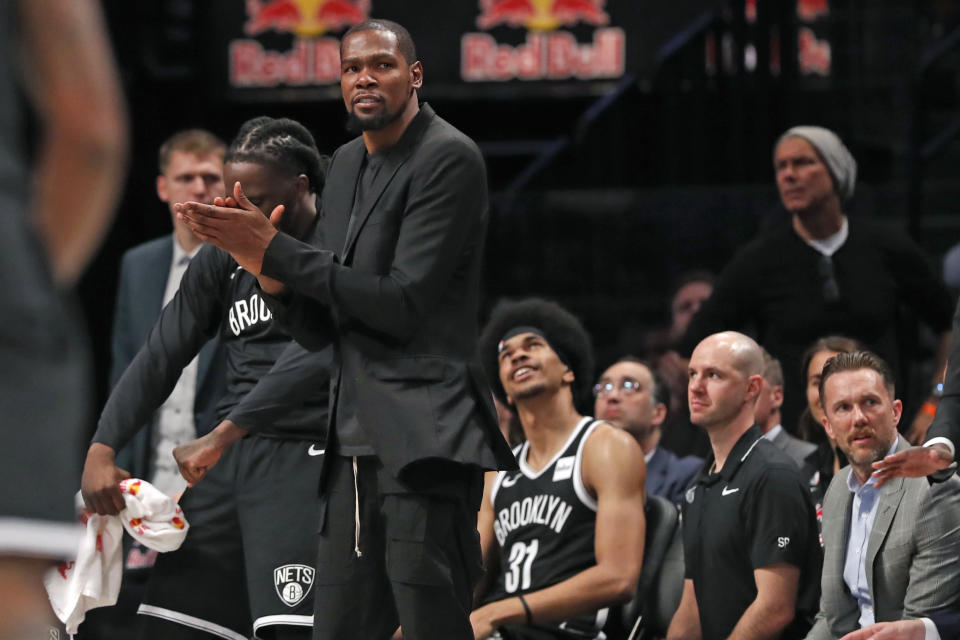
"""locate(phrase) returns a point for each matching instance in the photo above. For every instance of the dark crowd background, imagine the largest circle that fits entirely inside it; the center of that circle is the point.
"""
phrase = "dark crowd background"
(601, 200)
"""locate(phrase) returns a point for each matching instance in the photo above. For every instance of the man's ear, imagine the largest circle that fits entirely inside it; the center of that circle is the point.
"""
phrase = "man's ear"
(162, 188)
(568, 376)
(777, 396)
(303, 184)
(659, 414)
(897, 411)
(416, 74)
(827, 427)
(754, 385)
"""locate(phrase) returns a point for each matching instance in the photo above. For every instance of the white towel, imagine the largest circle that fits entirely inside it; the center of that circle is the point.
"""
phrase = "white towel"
(93, 579)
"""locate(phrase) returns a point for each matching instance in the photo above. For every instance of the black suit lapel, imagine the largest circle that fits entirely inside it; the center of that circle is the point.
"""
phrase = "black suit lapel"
(339, 203)
(396, 156)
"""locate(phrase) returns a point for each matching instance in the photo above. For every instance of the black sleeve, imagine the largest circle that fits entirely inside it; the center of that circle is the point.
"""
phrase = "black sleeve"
(444, 210)
(729, 305)
(190, 319)
(297, 375)
(946, 422)
(306, 319)
(779, 518)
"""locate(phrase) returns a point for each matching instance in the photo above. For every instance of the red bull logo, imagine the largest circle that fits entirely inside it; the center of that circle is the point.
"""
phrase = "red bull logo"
(548, 52)
(178, 523)
(813, 54)
(306, 18)
(541, 15)
(131, 487)
(314, 58)
(810, 10)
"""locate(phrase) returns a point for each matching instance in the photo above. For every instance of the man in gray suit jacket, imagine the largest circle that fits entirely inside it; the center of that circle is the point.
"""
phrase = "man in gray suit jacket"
(889, 552)
(767, 414)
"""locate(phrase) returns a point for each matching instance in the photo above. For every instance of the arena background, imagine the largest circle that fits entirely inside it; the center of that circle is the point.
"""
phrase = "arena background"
(608, 182)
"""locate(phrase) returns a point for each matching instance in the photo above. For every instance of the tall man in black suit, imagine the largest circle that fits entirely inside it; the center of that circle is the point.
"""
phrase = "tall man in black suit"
(393, 282)
(937, 457)
(946, 625)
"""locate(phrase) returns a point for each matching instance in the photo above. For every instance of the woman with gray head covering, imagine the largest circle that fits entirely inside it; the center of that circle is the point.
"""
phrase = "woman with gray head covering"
(816, 175)
(823, 274)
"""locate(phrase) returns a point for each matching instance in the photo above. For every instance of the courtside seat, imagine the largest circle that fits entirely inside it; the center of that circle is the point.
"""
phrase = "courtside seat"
(661, 579)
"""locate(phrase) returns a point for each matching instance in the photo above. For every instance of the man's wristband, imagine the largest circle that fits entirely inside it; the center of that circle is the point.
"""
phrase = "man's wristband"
(526, 609)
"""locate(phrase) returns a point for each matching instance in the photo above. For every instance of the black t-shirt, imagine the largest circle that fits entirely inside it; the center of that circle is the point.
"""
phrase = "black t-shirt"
(753, 514)
(350, 439)
(216, 296)
(544, 522)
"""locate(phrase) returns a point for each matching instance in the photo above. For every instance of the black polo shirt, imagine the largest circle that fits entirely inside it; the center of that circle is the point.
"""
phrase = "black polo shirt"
(753, 514)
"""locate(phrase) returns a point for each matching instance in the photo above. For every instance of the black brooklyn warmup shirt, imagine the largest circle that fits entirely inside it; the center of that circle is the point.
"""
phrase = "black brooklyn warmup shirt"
(753, 514)
(216, 296)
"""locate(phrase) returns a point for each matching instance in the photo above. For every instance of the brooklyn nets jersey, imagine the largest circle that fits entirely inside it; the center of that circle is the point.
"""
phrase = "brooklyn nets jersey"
(216, 296)
(544, 524)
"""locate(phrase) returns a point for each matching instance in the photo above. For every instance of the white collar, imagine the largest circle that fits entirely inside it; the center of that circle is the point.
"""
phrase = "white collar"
(829, 245)
(773, 433)
(647, 457)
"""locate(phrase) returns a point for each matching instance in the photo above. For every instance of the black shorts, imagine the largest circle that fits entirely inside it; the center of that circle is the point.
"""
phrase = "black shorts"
(249, 557)
(43, 406)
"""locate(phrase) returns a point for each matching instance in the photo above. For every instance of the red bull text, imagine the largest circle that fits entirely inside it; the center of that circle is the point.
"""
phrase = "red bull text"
(314, 58)
(548, 53)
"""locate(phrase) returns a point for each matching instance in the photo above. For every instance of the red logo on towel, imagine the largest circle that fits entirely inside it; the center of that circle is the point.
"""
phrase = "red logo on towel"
(64, 567)
(178, 523)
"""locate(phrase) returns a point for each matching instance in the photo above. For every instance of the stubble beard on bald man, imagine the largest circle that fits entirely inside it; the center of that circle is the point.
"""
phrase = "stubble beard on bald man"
(716, 420)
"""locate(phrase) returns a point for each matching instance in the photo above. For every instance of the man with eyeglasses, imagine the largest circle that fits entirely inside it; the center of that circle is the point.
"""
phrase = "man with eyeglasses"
(824, 274)
(632, 396)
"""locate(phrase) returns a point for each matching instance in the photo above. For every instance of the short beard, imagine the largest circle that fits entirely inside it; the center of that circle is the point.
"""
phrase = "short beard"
(865, 466)
(530, 392)
(357, 125)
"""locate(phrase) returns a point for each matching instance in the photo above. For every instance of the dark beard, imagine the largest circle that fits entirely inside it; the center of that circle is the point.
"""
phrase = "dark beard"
(530, 392)
(357, 125)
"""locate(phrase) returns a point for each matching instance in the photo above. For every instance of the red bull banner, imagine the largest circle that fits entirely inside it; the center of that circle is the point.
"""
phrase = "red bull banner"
(549, 51)
(313, 57)
(290, 49)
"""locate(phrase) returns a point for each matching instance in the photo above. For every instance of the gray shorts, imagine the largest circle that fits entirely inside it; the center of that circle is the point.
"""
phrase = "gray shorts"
(44, 406)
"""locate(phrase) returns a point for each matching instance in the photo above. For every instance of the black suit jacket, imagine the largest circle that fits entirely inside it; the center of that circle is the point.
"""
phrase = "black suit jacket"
(948, 625)
(399, 297)
(669, 475)
(143, 279)
(946, 424)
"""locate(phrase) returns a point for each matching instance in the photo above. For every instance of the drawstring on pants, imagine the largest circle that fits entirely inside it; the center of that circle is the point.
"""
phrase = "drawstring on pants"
(356, 511)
